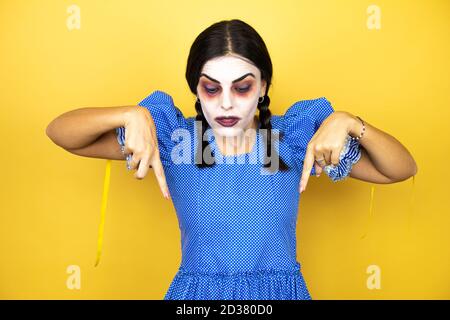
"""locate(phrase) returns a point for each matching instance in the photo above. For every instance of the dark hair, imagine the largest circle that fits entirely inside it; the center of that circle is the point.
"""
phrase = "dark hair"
(231, 37)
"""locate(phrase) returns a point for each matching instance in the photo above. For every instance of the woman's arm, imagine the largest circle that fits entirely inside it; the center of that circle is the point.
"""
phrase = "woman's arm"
(79, 128)
(383, 158)
(90, 132)
(382, 154)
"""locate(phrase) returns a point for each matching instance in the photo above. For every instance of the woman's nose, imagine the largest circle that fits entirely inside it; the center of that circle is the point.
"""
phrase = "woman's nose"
(226, 102)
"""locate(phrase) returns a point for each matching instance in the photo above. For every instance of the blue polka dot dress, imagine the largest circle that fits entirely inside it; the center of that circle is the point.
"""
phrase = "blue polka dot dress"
(237, 222)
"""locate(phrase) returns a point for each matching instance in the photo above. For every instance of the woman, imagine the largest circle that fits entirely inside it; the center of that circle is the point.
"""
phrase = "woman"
(234, 177)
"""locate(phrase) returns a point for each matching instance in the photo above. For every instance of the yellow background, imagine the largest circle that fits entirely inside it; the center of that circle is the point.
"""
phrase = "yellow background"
(396, 78)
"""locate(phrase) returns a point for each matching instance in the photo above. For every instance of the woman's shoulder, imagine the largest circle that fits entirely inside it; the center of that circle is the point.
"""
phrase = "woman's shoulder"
(315, 110)
(157, 97)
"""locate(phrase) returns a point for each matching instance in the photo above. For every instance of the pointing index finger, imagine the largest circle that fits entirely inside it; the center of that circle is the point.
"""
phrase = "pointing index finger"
(307, 166)
(160, 176)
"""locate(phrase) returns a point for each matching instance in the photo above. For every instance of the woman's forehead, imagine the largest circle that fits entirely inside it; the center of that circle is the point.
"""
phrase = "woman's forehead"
(228, 68)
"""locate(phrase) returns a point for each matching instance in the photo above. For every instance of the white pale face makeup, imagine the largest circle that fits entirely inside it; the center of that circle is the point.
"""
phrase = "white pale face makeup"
(229, 86)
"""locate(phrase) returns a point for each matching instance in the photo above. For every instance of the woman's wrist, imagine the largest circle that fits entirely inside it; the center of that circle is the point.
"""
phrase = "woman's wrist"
(356, 127)
(129, 112)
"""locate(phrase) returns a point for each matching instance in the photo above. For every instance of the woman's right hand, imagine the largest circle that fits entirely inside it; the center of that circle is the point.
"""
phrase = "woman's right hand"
(142, 144)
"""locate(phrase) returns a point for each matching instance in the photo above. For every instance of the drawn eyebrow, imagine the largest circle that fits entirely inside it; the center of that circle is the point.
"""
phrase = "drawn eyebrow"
(234, 81)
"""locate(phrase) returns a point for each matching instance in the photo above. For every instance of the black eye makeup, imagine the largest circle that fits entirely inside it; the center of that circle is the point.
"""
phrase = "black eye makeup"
(240, 89)
(243, 89)
(211, 90)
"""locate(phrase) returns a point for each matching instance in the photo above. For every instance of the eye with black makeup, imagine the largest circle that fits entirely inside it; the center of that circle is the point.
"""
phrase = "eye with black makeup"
(239, 89)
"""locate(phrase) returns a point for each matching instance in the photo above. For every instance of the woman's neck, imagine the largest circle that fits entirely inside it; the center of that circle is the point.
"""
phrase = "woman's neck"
(239, 144)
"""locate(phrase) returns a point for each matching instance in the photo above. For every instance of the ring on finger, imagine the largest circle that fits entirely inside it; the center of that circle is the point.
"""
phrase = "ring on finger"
(320, 160)
(129, 162)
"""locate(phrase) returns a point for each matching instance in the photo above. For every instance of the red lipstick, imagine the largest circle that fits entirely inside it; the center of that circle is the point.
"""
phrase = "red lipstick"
(227, 121)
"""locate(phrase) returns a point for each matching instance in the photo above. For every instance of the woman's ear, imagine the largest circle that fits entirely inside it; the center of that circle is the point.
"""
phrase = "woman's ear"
(263, 88)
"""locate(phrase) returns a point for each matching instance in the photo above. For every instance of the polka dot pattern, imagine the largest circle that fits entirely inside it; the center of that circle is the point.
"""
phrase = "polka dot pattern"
(237, 221)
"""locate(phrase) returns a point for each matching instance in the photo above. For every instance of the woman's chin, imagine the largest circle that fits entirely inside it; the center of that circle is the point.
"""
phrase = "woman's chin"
(229, 131)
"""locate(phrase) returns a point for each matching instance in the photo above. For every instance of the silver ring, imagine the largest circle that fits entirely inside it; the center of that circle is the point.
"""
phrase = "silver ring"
(128, 161)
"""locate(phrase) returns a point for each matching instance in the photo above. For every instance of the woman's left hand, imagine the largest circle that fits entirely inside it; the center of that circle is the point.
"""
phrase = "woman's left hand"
(326, 144)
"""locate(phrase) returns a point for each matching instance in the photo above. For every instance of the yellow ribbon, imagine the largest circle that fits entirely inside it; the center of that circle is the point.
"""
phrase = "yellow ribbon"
(411, 207)
(105, 200)
(103, 210)
(372, 191)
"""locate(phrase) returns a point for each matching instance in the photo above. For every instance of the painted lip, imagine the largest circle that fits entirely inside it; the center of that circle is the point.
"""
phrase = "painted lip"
(227, 121)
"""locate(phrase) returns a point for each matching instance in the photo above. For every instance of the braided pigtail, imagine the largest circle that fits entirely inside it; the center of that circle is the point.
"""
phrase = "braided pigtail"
(264, 119)
(201, 144)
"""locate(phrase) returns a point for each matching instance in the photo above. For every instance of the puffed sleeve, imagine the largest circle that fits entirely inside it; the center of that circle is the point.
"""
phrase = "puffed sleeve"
(301, 121)
(167, 118)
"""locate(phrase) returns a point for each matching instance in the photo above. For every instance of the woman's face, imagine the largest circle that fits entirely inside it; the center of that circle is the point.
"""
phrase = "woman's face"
(230, 86)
